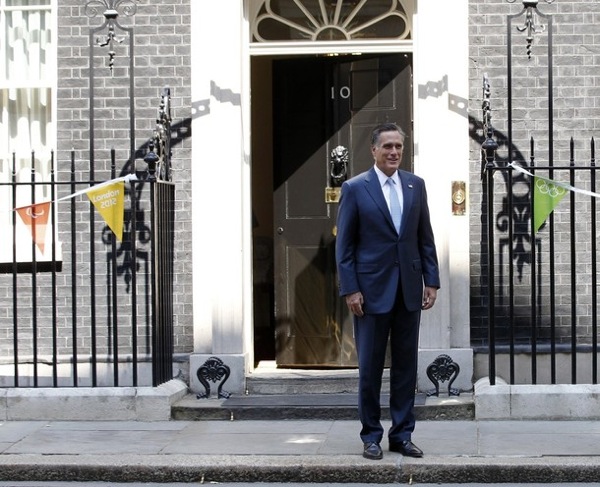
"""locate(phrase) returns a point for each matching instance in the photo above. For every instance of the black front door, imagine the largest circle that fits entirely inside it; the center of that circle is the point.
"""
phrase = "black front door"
(320, 104)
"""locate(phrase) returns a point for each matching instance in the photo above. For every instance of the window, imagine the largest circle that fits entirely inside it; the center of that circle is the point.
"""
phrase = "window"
(27, 122)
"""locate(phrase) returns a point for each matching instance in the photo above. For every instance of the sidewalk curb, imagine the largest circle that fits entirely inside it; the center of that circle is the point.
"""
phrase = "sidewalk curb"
(305, 468)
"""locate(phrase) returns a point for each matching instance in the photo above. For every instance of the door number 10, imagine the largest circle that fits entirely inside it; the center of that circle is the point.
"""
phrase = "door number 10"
(343, 92)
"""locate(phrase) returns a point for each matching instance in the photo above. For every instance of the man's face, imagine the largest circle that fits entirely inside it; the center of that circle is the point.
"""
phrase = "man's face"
(388, 152)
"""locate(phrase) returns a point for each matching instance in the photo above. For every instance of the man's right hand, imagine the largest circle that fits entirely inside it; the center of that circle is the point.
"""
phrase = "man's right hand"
(354, 302)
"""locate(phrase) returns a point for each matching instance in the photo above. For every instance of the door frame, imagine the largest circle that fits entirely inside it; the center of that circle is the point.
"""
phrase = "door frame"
(222, 296)
(291, 50)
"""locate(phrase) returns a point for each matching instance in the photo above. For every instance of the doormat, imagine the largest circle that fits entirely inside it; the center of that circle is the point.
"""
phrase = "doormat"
(307, 400)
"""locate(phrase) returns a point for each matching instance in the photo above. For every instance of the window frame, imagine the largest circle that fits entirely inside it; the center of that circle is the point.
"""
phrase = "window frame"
(47, 82)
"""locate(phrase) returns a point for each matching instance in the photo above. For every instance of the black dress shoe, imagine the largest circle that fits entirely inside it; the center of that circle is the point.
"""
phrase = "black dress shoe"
(407, 448)
(373, 451)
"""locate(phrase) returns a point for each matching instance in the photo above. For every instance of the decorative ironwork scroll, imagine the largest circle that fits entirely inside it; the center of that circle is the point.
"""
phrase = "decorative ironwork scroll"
(489, 146)
(213, 370)
(443, 369)
(158, 157)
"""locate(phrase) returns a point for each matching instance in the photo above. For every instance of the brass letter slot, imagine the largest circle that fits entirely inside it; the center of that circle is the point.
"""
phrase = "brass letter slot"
(332, 195)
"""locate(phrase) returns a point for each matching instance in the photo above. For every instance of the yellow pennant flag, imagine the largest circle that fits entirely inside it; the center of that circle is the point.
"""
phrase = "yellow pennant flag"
(109, 200)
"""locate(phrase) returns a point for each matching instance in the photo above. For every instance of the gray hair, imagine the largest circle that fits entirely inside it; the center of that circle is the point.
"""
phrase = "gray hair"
(385, 127)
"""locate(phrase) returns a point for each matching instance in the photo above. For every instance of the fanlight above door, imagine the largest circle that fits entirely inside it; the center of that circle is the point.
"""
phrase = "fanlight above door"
(331, 20)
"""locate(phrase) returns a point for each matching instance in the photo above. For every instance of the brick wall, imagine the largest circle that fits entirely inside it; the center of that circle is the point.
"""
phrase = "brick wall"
(576, 113)
(161, 32)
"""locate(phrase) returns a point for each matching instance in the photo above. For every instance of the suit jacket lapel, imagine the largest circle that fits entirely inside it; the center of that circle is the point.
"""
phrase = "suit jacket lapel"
(408, 193)
(374, 189)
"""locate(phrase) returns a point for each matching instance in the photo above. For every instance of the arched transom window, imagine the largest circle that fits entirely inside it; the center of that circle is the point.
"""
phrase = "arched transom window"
(330, 20)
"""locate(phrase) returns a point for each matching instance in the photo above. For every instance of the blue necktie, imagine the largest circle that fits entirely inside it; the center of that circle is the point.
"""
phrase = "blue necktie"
(395, 209)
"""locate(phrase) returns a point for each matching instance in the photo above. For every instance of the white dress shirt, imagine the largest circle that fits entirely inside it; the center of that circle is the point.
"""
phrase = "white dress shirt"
(386, 188)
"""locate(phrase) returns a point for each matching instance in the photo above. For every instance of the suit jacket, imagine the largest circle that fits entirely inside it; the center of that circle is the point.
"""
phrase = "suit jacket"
(372, 257)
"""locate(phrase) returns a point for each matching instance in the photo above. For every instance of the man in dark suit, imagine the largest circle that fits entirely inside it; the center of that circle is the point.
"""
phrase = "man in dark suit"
(388, 272)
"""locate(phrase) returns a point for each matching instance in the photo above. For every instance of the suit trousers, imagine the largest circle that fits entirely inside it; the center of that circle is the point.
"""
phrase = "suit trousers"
(372, 332)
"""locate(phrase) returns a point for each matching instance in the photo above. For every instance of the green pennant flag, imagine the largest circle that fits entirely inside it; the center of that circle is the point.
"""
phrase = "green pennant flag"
(546, 196)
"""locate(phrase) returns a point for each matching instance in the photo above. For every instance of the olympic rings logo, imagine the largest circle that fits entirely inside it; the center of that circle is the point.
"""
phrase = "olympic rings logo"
(551, 189)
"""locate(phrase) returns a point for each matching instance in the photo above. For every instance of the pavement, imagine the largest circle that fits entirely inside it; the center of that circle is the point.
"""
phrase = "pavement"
(296, 450)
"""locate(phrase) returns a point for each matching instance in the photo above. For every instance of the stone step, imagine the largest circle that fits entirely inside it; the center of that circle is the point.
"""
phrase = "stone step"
(273, 393)
(288, 382)
(267, 379)
(312, 406)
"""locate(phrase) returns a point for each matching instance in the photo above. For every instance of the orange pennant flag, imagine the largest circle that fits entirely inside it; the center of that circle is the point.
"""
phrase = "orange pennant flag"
(36, 218)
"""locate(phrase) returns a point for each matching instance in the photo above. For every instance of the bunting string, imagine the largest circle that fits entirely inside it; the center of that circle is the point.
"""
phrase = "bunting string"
(547, 194)
(108, 198)
(129, 177)
(556, 183)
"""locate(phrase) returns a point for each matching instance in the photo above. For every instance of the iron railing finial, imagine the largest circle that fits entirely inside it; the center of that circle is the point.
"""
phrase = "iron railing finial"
(112, 8)
(530, 8)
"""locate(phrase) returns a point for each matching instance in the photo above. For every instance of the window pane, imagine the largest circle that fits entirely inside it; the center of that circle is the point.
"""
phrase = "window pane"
(26, 3)
(28, 45)
(25, 119)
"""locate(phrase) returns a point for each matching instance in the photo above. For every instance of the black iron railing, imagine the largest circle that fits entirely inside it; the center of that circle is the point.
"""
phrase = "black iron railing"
(541, 283)
(80, 317)
(81, 307)
(542, 286)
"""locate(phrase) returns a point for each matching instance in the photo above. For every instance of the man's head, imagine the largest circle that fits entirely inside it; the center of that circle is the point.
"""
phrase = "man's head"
(387, 145)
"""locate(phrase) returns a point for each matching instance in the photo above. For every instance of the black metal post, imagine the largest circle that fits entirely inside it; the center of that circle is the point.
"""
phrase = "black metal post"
(15, 285)
(52, 217)
(34, 307)
(113, 286)
(74, 286)
(594, 235)
(534, 294)
(488, 153)
(573, 239)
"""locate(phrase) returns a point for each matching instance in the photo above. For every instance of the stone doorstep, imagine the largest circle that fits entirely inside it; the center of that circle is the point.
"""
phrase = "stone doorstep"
(313, 406)
(268, 378)
(323, 394)
(173, 401)
(91, 403)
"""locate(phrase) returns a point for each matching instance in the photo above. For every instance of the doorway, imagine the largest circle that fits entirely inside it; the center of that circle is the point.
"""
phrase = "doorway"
(304, 109)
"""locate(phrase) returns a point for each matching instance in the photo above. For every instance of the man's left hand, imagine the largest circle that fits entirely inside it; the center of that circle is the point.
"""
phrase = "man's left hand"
(429, 295)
